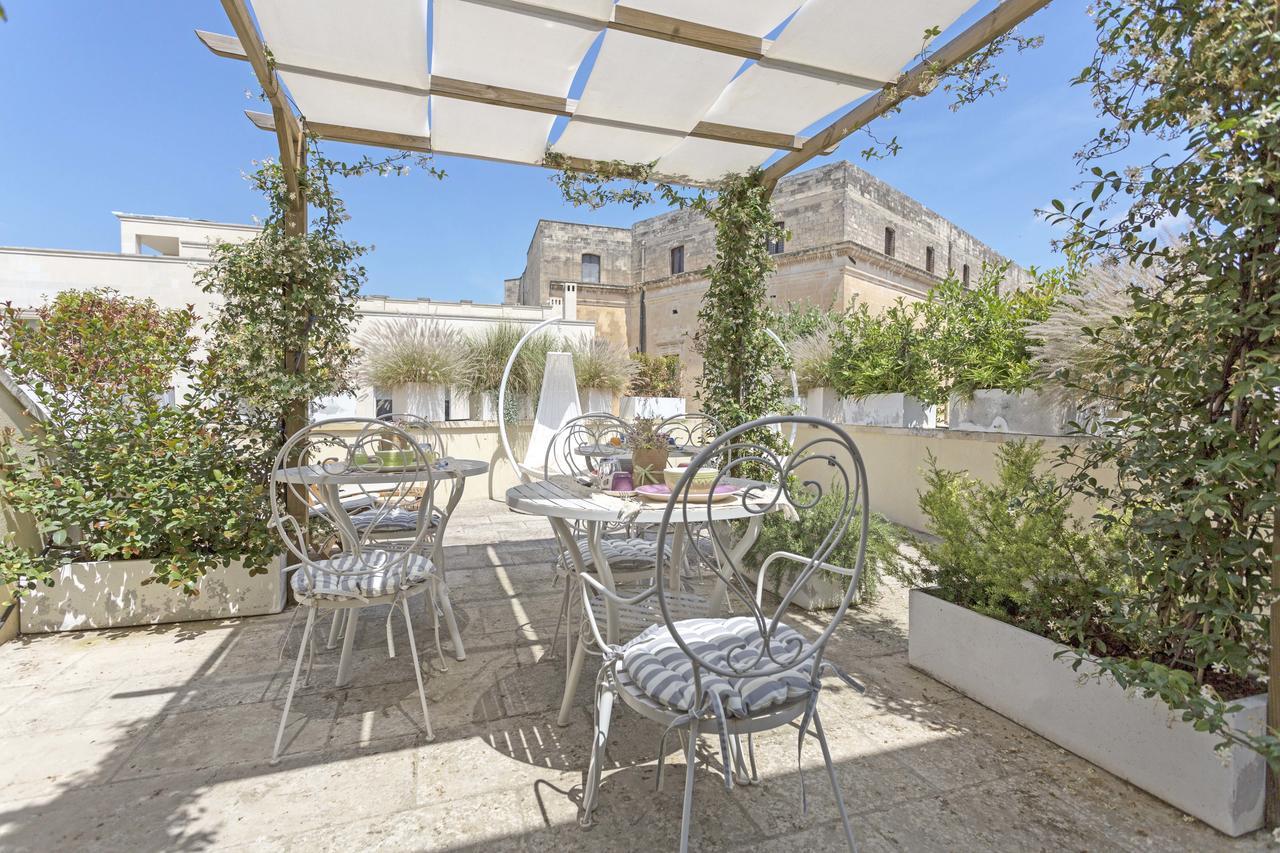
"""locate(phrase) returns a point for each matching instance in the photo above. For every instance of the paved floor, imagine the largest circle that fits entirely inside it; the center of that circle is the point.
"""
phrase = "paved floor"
(158, 739)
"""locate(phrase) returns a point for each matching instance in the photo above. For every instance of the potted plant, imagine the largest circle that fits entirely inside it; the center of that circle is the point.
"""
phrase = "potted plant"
(983, 345)
(418, 360)
(882, 367)
(485, 359)
(649, 450)
(150, 510)
(655, 388)
(814, 361)
(604, 370)
(1020, 597)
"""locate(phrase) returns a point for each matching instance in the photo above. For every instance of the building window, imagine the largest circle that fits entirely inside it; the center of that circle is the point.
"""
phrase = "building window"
(928, 259)
(964, 275)
(777, 247)
(889, 241)
(677, 260)
(591, 269)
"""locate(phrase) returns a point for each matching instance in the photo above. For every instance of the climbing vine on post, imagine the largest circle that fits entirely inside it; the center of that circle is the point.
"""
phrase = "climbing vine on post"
(740, 360)
(288, 293)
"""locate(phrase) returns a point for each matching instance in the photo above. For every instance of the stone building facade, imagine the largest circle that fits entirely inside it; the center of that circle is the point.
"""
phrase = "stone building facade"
(852, 237)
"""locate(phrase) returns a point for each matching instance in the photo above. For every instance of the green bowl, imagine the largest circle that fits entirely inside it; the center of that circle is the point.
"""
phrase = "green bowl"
(701, 481)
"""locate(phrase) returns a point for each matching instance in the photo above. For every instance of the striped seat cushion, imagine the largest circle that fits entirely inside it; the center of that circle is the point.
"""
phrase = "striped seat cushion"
(389, 521)
(372, 574)
(623, 553)
(657, 665)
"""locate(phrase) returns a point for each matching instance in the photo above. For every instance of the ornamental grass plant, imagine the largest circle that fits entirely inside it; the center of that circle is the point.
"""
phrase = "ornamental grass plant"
(602, 365)
(403, 352)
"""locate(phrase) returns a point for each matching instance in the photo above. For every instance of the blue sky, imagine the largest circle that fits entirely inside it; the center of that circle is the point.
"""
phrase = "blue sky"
(116, 106)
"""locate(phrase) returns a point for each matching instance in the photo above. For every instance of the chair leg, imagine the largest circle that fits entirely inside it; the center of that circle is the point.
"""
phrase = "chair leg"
(691, 760)
(445, 605)
(417, 668)
(297, 667)
(335, 629)
(835, 782)
(571, 680)
(434, 609)
(560, 620)
(599, 751)
(284, 643)
(391, 643)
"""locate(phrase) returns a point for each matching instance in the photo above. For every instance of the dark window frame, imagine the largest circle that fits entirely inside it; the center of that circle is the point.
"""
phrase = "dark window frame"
(777, 247)
(930, 264)
(583, 270)
(677, 259)
(964, 275)
(890, 241)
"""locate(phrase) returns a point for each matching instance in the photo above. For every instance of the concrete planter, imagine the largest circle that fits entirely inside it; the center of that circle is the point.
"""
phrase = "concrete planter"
(652, 407)
(110, 594)
(484, 406)
(596, 400)
(1014, 672)
(824, 403)
(1023, 412)
(418, 398)
(459, 404)
(889, 410)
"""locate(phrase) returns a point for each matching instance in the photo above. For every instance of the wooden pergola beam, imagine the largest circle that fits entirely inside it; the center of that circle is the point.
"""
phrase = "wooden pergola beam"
(991, 26)
(420, 144)
(501, 96)
(288, 128)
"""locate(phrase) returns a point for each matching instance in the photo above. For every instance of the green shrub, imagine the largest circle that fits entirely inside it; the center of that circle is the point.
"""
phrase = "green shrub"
(1012, 550)
(977, 336)
(655, 376)
(779, 533)
(114, 472)
(885, 353)
(602, 365)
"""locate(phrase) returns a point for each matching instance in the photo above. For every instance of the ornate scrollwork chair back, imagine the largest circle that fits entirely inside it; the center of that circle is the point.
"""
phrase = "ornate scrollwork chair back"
(577, 447)
(692, 431)
(343, 456)
(822, 473)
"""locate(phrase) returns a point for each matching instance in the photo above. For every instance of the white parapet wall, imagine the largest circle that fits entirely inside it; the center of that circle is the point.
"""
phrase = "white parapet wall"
(895, 459)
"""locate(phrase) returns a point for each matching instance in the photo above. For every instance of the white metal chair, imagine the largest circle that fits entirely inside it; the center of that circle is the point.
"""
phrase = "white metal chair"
(350, 453)
(744, 674)
(394, 530)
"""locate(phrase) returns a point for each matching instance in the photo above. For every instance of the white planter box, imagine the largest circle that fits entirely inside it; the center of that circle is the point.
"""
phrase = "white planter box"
(1014, 672)
(652, 407)
(824, 403)
(484, 406)
(417, 398)
(459, 404)
(110, 594)
(596, 400)
(1024, 412)
(889, 410)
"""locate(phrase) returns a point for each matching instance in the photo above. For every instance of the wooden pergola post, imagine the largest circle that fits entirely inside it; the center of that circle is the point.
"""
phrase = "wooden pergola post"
(291, 140)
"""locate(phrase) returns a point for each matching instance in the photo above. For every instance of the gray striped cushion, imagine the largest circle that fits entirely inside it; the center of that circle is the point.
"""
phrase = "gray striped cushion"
(372, 574)
(388, 521)
(659, 667)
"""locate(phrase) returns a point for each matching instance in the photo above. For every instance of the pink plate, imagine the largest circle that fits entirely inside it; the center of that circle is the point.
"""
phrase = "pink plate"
(661, 491)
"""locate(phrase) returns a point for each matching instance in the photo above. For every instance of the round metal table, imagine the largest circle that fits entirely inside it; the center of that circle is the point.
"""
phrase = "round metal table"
(562, 500)
(329, 485)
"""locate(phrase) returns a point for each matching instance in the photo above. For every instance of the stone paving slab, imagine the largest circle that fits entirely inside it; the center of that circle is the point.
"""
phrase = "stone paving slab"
(159, 738)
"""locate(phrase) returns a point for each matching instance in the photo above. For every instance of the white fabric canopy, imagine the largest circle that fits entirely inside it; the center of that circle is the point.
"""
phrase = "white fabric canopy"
(702, 87)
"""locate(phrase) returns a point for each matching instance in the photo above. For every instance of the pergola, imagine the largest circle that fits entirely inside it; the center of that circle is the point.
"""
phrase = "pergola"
(701, 88)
